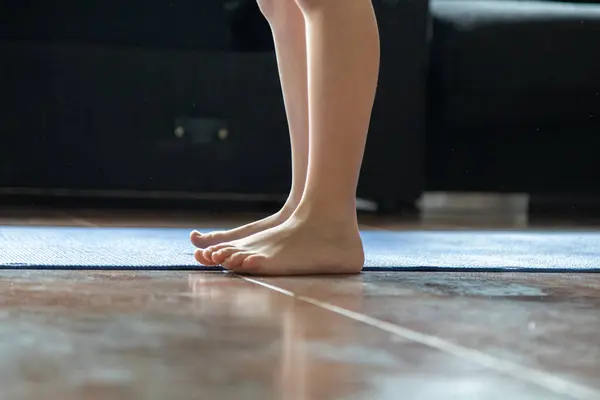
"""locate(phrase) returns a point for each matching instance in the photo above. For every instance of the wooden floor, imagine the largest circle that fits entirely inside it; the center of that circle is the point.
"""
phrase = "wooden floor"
(174, 335)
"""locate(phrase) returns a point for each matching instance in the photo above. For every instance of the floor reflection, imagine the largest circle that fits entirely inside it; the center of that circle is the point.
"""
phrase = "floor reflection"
(310, 363)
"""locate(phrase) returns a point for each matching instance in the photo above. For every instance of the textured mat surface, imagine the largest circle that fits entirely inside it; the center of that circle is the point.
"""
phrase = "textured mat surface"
(160, 249)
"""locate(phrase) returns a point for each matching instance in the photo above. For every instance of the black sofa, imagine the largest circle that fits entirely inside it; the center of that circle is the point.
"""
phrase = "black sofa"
(514, 98)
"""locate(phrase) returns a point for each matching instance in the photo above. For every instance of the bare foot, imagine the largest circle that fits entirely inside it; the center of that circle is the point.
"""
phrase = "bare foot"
(204, 240)
(295, 247)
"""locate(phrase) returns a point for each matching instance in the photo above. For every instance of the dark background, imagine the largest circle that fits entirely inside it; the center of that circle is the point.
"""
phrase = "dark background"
(502, 97)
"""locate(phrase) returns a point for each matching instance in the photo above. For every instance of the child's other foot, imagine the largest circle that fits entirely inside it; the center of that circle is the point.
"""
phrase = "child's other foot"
(204, 240)
(295, 247)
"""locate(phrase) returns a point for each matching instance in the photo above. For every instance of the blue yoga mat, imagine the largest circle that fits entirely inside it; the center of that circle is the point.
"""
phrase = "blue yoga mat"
(169, 249)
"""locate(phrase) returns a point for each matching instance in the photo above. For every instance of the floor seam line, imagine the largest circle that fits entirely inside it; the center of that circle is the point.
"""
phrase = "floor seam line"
(542, 379)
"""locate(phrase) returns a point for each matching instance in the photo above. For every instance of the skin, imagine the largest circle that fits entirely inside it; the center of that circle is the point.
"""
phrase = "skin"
(328, 58)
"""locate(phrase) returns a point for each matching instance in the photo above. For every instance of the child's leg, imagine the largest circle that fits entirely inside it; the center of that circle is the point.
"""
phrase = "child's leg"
(287, 24)
(322, 234)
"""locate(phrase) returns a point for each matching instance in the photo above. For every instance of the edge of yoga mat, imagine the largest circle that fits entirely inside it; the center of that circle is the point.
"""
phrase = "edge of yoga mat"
(200, 268)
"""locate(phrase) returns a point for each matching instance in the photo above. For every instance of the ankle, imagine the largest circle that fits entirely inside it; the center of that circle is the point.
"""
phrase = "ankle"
(288, 208)
(326, 213)
(293, 200)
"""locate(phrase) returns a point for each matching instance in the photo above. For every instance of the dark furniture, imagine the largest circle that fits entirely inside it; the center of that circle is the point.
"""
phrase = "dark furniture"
(514, 97)
(182, 97)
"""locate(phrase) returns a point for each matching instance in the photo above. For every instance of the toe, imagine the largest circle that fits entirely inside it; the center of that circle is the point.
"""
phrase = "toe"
(203, 240)
(220, 246)
(251, 264)
(235, 260)
(207, 254)
(209, 251)
(197, 238)
(199, 256)
(221, 255)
